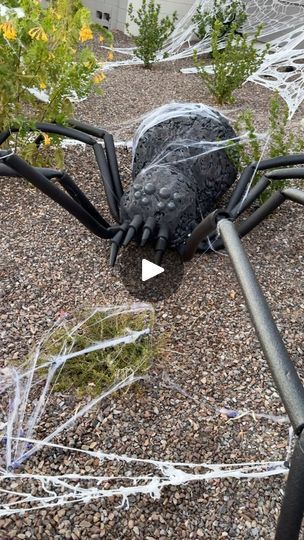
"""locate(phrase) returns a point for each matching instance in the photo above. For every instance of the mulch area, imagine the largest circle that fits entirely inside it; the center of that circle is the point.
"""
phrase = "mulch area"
(50, 262)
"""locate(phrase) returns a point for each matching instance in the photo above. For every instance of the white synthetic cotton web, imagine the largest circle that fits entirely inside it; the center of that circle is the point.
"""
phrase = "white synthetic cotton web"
(283, 69)
(18, 384)
(27, 388)
(186, 148)
(282, 22)
(170, 110)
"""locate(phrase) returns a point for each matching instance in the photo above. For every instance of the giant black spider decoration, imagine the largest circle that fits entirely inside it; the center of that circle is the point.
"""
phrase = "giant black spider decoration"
(181, 169)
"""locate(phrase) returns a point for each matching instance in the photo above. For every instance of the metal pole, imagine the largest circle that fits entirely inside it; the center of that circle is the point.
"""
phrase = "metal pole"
(283, 371)
(292, 509)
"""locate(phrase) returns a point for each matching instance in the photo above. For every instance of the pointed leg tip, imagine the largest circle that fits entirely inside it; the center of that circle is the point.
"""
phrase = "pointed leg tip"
(129, 236)
(113, 255)
(158, 258)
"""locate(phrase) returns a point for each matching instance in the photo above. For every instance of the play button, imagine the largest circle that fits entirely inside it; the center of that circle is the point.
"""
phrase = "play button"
(144, 279)
(149, 270)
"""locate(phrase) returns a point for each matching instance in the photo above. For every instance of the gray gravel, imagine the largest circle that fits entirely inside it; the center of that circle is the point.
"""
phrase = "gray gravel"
(50, 262)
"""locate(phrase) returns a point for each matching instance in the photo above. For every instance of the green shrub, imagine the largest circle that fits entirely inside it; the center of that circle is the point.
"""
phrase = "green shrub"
(152, 30)
(93, 372)
(233, 64)
(224, 11)
(280, 142)
(44, 51)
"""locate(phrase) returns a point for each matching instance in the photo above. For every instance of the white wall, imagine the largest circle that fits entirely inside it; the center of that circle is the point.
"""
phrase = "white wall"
(118, 10)
(167, 8)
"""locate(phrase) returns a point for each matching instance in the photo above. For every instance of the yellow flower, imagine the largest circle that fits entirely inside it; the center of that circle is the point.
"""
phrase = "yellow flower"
(38, 33)
(99, 77)
(42, 85)
(110, 56)
(101, 39)
(47, 139)
(8, 30)
(85, 34)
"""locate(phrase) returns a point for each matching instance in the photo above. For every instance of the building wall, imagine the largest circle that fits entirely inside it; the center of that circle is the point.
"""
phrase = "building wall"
(167, 8)
(118, 10)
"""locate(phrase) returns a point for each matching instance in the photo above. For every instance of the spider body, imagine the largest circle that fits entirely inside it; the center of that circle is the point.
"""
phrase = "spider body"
(179, 168)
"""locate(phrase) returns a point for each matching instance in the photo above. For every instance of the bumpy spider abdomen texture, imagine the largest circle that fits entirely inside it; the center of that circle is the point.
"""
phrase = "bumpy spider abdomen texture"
(180, 169)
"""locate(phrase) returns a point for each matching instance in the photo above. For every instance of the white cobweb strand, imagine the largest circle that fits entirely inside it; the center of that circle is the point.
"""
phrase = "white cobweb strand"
(19, 489)
(70, 488)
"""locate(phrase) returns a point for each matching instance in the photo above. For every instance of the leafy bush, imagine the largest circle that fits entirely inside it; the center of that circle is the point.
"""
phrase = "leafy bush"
(44, 63)
(233, 64)
(224, 11)
(152, 31)
(281, 143)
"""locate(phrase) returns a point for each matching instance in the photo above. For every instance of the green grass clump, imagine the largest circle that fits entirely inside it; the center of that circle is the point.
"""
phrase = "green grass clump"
(94, 371)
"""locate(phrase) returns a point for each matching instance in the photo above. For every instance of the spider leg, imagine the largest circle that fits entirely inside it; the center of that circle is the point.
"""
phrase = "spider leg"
(161, 243)
(208, 226)
(247, 174)
(113, 192)
(117, 241)
(36, 177)
(110, 151)
(67, 183)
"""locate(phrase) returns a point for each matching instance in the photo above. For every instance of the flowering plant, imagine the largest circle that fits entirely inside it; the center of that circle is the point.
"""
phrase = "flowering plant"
(45, 63)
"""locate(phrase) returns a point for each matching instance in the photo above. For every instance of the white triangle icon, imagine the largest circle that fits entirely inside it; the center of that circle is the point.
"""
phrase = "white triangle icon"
(149, 270)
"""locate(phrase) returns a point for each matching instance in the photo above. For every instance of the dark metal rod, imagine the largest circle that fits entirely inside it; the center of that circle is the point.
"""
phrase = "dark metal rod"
(283, 371)
(291, 515)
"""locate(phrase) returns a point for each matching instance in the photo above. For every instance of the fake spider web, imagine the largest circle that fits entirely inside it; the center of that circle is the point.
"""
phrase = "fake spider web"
(283, 67)
(26, 389)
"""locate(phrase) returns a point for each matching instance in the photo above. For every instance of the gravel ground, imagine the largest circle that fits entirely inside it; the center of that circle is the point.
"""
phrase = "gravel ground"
(50, 262)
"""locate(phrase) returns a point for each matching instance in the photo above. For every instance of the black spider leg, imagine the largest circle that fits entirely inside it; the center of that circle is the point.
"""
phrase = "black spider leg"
(283, 371)
(246, 177)
(117, 241)
(67, 183)
(19, 167)
(109, 150)
(113, 197)
(199, 237)
(236, 205)
(161, 243)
